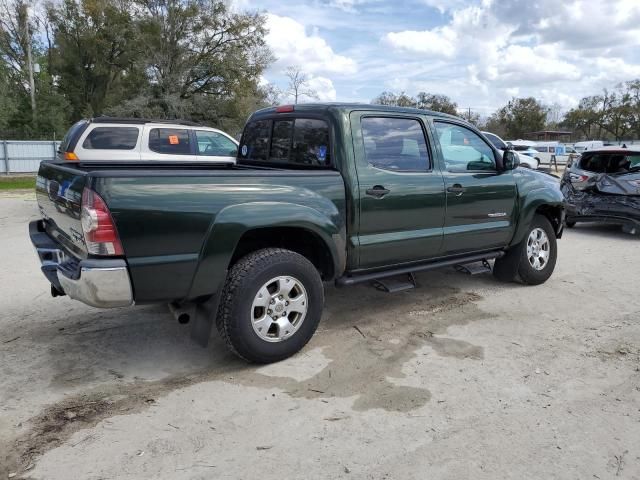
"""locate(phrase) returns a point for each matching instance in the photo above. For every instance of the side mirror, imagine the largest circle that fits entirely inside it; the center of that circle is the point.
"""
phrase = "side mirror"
(510, 160)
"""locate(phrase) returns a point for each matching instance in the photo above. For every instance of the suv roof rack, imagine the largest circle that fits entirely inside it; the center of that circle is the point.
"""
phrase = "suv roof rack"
(140, 121)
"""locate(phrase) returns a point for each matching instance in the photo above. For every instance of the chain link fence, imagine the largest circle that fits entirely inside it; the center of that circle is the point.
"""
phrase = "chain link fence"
(24, 156)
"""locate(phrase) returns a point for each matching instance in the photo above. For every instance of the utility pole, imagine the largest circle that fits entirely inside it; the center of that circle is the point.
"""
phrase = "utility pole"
(32, 85)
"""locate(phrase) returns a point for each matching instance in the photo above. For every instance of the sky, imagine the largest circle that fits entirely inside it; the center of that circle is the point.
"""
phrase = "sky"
(481, 53)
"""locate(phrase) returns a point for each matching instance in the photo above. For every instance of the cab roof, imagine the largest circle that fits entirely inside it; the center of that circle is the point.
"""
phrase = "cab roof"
(349, 107)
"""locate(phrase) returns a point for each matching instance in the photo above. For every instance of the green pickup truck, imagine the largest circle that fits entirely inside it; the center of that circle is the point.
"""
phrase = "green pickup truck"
(343, 193)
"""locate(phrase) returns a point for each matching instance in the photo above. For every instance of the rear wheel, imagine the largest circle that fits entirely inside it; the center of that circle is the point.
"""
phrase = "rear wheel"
(270, 305)
(533, 259)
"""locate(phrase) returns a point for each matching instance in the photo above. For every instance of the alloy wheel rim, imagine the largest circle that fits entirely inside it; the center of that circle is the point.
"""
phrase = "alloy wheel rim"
(538, 249)
(279, 308)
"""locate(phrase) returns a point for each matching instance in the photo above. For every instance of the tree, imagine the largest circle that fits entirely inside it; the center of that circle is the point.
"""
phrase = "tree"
(519, 116)
(437, 103)
(299, 84)
(471, 117)
(395, 100)
(96, 53)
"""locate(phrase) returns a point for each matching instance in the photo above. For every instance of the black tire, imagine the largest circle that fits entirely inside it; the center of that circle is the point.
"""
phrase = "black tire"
(570, 224)
(516, 264)
(244, 280)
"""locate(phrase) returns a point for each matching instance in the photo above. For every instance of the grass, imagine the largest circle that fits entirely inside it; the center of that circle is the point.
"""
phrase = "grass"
(17, 183)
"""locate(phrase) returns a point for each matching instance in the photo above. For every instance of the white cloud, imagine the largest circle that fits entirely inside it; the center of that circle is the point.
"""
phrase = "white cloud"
(324, 88)
(292, 45)
(438, 42)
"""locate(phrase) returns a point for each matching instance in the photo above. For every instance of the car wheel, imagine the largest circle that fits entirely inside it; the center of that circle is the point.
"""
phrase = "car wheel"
(270, 306)
(570, 224)
(533, 259)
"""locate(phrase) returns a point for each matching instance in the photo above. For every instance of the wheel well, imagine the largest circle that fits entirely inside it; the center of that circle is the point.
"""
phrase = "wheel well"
(553, 214)
(299, 240)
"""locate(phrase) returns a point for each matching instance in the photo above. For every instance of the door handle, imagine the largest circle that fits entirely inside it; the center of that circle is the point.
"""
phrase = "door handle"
(377, 191)
(457, 189)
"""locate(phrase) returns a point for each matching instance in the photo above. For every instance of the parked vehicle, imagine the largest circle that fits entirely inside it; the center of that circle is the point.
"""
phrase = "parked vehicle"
(525, 160)
(604, 186)
(526, 147)
(126, 139)
(582, 147)
(548, 150)
(338, 192)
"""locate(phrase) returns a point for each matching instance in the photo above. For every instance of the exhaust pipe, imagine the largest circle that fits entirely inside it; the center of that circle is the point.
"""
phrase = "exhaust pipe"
(182, 313)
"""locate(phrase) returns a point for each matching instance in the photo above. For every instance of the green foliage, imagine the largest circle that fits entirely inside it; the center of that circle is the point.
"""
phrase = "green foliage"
(612, 115)
(188, 59)
(518, 117)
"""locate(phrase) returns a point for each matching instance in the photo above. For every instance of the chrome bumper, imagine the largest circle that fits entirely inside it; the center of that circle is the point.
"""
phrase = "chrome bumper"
(102, 283)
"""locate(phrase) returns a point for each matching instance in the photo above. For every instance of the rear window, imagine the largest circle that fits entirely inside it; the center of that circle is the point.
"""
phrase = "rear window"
(287, 141)
(610, 162)
(111, 138)
(172, 141)
(73, 134)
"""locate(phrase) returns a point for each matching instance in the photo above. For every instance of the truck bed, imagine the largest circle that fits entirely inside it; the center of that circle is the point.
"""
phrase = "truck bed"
(166, 212)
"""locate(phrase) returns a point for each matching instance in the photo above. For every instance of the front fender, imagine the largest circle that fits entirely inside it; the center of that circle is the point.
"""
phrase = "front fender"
(529, 205)
(234, 221)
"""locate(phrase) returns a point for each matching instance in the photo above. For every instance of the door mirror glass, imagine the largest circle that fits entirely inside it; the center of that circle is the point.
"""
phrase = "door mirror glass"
(510, 160)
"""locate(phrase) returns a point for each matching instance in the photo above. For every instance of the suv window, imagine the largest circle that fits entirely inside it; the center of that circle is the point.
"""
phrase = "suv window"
(299, 141)
(396, 144)
(173, 141)
(111, 138)
(215, 144)
(463, 149)
(497, 142)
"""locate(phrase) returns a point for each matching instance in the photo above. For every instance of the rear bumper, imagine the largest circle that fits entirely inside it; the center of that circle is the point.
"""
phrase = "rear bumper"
(102, 283)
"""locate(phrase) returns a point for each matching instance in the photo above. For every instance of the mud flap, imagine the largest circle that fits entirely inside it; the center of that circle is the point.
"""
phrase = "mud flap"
(205, 314)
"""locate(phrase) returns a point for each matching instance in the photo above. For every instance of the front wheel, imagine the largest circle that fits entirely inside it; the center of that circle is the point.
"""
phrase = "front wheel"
(270, 306)
(533, 259)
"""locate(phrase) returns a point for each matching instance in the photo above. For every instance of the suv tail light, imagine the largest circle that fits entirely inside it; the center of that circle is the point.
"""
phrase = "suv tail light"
(99, 230)
(578, 178)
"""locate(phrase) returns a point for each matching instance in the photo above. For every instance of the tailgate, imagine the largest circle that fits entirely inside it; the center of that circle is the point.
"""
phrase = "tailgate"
(59, 194)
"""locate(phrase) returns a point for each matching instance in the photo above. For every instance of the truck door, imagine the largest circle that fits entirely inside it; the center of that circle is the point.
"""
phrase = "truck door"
(401, 196)
(480, 198)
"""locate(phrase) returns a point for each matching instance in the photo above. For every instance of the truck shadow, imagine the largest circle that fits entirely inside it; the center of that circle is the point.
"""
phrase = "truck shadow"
(121, 361)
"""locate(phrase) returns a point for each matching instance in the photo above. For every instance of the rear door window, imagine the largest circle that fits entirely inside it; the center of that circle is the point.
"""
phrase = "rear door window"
(214, 144)
(111, 138)
(171, 141)
(288, 141)
(396, 144)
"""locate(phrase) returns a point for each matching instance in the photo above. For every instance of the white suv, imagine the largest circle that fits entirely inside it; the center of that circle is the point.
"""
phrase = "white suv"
(106, 138)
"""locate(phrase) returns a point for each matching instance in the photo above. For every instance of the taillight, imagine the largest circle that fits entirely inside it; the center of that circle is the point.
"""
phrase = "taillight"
(72, 157)
(99, 230)
(578, 178)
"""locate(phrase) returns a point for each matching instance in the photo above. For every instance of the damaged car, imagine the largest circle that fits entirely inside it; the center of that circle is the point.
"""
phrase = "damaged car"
(603, 185)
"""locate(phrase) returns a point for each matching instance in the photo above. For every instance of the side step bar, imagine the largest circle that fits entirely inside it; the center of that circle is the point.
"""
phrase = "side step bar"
(449, 262)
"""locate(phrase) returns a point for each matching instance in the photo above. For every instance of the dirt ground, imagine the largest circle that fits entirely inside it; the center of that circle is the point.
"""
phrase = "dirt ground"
(462, 377)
